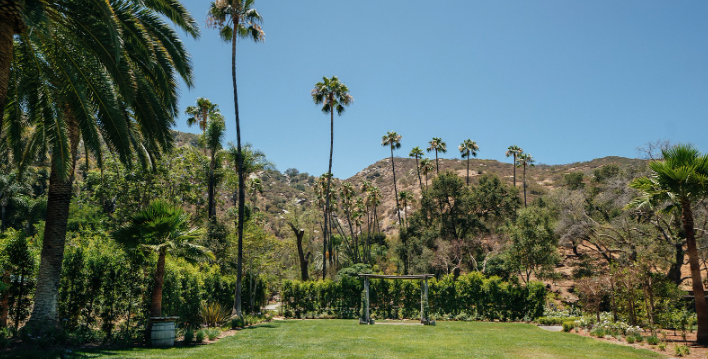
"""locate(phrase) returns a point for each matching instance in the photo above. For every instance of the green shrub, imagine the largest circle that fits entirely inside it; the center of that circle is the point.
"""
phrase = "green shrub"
(598, 332)
(681, 350)
(201, 334)
(568, 325)
(237, 322)
(213, 333)
(639, 338)
(661, 346)
(188, 336)
(213, 314)
(652, 340)
(629, 339)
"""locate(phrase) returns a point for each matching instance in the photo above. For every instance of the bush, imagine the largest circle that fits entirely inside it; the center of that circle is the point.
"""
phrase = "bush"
(681, 350)
(201, 334)
(652, 340)
(629, 339)
(661, 346)
(213, 333)
(213, 314)
(188, 336)
(568, 325)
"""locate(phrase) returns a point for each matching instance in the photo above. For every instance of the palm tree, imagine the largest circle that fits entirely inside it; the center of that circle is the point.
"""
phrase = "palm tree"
(468, 149)
(525, 160)
(405, 198)
(393, 140)
(515, 151)
(70, 86)
(332, 95)
(234, 19)
(681, 179)
(426, 166)
(164, 229)
(213, 136)
(201, 113)
(417, 153)
(438, 145)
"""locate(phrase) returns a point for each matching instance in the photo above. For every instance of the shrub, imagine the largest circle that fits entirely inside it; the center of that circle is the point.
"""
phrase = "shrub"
(661, 346)
(568, 325)
(213, 333)
(201, 334)
(188, 336)
(639, 338)
(652, 340)
(237, 322)
(629, 339)
(213, 314)
(681, 350)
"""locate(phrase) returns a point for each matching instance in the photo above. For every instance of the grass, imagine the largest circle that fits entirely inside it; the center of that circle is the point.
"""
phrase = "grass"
(347, 339)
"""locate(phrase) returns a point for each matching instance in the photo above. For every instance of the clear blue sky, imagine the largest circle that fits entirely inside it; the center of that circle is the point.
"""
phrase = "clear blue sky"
(567, 81)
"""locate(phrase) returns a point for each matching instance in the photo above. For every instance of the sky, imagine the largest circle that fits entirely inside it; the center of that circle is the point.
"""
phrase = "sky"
(567, 81)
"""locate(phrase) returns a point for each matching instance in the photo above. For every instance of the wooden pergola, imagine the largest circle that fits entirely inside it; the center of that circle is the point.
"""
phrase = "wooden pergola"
(423, 293)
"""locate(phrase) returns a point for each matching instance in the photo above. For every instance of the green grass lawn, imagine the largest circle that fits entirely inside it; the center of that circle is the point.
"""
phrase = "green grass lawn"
(347, 339)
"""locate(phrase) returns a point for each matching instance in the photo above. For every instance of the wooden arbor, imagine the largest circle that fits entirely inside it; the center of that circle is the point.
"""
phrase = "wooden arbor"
(423, 294)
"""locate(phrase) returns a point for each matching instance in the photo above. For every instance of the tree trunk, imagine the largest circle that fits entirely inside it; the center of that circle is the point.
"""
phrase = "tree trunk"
(327, 230)
(420, 180)
(156, 298)
(2, 220)
(524, 185)
(468, 168)
(395, 189)
(437, 164)
(44, 312)
(212, 204)
(241, 191)
(674, 274)
(299, 234)
(514, 165)
(698, 292)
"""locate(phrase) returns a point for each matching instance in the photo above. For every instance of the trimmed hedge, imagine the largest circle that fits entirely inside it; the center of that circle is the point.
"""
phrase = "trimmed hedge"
(470, 297)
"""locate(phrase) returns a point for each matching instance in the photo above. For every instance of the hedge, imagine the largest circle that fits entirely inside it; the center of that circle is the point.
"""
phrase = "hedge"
(470, 297)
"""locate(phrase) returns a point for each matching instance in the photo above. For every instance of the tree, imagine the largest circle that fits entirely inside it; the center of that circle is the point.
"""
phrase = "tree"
(213, 136)
(333, 95)
(93, 72)
(680, 178)
(405, 198)
(525, 160)
(393, 140)
(534, 245)
(437, 145)
(164, 229)
(202, 113)
(234, 19)
(514, 151)
(426, 166)
(10, 190)
(417, 153)
(468, 149)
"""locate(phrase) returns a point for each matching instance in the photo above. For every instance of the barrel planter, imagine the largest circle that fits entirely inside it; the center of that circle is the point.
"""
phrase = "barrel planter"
(163, 332)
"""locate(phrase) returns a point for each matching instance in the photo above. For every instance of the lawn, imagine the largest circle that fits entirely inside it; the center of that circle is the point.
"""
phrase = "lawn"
(347, 339)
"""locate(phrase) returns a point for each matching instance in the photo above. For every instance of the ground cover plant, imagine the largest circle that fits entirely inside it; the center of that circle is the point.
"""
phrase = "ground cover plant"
(346, 339)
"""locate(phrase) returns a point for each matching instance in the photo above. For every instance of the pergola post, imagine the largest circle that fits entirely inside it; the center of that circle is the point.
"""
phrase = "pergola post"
(366, 288)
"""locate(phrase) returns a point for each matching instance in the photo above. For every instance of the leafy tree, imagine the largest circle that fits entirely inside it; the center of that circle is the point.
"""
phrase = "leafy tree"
(525, 160)
(417, 153)
(468, 149)
(164, 229)
(574, 180)
(333, 95)
(437, 145)
(514, 151)
(393, 140)
(681, 178)
(234, 19)
(81, 74)
(533, 243)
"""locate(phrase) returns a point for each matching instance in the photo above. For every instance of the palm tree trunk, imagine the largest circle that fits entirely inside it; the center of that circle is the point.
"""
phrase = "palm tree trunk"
(44, 312)
(437, 164)
(420, 180)
(156, 298)
(468, 168)
(327, 229)
(212, 204)
(241, 189)
(395, 190)
(524, 185)
(514, 165)
(698, 292)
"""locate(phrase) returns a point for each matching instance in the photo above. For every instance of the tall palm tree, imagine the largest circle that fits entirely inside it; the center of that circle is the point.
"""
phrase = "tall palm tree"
(164, 229)
(201, 113)
(333, 95)
(437, 145)
(468, 149)
(97, 72)
(393, 140)
(681, 179)
(525, 160)
(406, 198)
(417, 153)
(426, 166)
(213, 136)
(515, 151)
(237, 19)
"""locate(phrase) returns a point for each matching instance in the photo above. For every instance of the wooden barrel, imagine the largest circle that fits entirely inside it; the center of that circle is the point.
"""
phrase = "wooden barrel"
(163, 334)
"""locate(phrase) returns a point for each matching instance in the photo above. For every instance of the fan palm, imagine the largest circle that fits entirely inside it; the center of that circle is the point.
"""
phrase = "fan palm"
(333, 95)
(680, 179)
(417, 153)
(426, 166)
(201, 113)
(468, 149)
(393, 140)
(91, 71)
(234, 19)
(525, 160)
(164, 229)
(437, 145)
(515, 151)
(405, 198)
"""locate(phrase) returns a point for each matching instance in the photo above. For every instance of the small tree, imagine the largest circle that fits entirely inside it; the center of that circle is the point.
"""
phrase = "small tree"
(534, 244)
